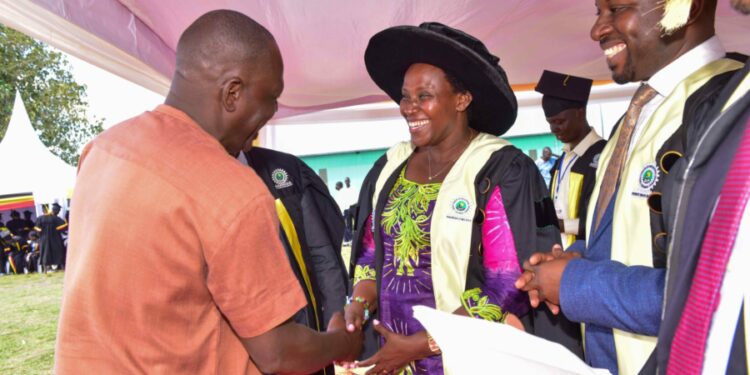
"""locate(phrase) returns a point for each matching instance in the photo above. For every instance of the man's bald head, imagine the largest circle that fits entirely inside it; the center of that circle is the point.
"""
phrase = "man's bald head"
(219, 38)
(228, 77)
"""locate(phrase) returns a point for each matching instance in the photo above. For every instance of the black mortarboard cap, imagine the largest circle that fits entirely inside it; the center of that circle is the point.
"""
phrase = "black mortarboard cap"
(562, 91)
(392, 51)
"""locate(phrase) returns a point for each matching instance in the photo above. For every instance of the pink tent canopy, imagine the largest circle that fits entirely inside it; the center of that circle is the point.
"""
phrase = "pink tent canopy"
(323, 41)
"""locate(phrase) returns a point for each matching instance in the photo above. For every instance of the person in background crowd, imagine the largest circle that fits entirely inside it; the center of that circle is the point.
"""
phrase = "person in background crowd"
(15, 249)
(617, 286)
(16, 224)
(545, 164)
(4, 244)
(337, 194)
(349, 199)
(574, 174)
(50, 227)
(194, 279)
(33, 257)
(311, 232)
(29, 221)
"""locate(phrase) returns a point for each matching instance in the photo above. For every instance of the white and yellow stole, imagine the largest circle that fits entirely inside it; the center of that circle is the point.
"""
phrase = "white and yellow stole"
(631, 234)
(452, 217)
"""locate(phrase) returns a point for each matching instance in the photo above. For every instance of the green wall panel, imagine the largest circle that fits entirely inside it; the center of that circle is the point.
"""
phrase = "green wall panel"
(537, 142)
(355, 165)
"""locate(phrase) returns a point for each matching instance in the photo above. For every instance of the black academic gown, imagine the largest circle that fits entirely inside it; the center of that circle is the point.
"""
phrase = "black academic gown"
(16, 249)
(16, 226)
(319, 227)
(695, 120)
(691, 190)
(586, 166)
(532, 219)
(50, 239)
(28, 226)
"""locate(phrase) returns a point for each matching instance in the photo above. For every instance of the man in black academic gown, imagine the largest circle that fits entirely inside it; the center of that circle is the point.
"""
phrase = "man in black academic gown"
(14, 248)
(312, 230)
(50, 227)
(574, 173)
(16, 224)
(28, 225)
(690, 203)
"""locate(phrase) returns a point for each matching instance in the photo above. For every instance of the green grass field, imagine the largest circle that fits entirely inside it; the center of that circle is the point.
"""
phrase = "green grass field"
(29, 308)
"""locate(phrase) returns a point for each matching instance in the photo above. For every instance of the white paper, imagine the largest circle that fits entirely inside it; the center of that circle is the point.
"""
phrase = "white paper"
(474, 346)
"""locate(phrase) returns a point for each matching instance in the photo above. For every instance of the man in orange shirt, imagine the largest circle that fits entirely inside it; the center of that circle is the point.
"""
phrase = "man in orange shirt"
(175, 264)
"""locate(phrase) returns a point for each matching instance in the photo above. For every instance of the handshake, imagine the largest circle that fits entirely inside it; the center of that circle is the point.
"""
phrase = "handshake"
(349, 343)
(397, 351)
(540, 279)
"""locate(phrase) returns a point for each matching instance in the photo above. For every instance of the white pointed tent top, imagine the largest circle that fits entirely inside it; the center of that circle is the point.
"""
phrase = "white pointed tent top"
(20, 132)
(29, 166)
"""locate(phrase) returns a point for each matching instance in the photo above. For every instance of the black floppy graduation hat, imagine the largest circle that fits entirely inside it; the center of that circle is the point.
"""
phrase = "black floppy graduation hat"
(562, 91)
(392, 51)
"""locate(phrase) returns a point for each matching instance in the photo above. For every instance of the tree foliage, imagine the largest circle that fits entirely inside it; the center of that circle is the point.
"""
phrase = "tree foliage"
(55, 102)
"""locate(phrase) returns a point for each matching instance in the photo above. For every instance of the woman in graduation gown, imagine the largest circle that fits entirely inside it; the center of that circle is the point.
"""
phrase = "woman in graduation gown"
(446, 219)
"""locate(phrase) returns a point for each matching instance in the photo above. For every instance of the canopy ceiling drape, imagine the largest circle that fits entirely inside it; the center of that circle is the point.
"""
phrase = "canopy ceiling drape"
(323, 41)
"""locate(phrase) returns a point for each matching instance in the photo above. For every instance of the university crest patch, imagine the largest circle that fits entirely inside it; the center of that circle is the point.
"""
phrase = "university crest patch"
(280, 178)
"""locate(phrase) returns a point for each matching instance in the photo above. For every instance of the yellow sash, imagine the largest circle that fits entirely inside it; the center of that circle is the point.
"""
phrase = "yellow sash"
(631, 239)
(575, 186)
(291, 235)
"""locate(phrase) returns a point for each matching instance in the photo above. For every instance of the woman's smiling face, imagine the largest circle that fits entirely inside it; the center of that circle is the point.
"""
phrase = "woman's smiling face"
(430, 104)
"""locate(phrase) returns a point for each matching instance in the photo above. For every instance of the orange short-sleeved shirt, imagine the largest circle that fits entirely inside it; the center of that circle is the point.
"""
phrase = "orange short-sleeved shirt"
(173, 255)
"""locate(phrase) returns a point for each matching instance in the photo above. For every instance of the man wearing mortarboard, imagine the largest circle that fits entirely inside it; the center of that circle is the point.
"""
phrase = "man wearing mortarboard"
(574, 173)
(28, 223)
(15, 225)
(14, 249)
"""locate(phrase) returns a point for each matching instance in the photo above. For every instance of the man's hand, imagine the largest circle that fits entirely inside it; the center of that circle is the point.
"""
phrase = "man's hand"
(397, 352)
(530, 282)
(353, 340)
(337, 322)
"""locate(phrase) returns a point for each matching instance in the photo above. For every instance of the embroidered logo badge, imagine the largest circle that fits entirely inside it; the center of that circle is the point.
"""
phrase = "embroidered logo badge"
(649, 176)
(647, 179)
(461, 206)
(280, 178)
(461, 210)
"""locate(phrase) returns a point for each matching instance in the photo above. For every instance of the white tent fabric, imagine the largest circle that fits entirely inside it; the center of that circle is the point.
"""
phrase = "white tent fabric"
(37, 22)
(29, 164)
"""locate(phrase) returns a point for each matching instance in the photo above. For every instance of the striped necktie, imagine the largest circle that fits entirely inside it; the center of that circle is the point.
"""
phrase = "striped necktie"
(689, 345)
(616, 163)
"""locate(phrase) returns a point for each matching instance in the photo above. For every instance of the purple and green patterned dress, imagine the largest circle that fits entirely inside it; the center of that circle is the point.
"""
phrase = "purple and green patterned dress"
(407, 281)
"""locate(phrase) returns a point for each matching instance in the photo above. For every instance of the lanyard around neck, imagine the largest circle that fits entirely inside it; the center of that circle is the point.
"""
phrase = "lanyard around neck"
(562, 171)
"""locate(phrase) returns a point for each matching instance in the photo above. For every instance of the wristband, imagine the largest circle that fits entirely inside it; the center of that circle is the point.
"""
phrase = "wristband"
(364, 303)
